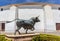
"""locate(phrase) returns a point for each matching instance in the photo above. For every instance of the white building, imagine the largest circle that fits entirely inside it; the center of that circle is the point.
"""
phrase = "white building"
(49, 16)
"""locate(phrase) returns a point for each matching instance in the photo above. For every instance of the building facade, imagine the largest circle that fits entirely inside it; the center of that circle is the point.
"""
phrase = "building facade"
(49, 16)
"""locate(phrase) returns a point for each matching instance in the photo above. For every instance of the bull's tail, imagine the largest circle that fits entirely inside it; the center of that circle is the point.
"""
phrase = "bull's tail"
(11, 21)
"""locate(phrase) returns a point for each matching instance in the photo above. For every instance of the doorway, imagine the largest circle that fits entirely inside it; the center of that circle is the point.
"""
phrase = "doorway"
(3, 27)
(57, 26)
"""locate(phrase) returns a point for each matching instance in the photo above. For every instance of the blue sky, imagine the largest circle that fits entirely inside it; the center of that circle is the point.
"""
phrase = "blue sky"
(7, 2)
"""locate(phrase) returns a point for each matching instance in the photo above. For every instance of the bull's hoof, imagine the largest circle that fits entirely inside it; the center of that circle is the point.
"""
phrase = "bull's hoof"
(26, 33)
(19, 33)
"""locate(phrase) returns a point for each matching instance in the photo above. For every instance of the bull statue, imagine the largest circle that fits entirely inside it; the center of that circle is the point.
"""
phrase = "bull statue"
(26, 24)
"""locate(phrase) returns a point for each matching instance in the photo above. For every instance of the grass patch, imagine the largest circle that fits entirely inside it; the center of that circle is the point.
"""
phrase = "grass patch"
(2, 38)
(46, 37)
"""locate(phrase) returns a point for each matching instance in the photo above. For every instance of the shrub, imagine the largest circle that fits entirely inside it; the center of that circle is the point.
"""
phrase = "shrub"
(2, 38)
(46, 37)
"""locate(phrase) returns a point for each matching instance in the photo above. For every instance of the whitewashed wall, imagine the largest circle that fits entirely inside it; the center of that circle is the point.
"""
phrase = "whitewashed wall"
(8, 15)
(11, 27)
(56, 13)
(49, 19)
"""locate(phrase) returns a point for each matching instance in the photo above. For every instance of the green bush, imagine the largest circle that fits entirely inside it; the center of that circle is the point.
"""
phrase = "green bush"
(2, 38)
(46, 37)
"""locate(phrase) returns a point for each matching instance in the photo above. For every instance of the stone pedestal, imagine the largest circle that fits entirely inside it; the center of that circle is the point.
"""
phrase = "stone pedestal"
(22, 37)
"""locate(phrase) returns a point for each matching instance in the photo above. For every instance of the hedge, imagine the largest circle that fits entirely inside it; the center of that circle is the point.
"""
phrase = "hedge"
(2, 38)
(46, 37)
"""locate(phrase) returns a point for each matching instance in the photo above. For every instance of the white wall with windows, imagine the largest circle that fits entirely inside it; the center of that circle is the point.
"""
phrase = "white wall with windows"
(26, 12)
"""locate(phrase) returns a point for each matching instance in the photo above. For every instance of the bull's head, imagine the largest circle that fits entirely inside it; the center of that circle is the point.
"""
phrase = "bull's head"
(37, 19)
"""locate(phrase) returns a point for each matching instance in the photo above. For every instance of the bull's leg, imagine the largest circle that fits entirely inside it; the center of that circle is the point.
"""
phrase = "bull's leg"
(33, 28)
(17, 30)
(15, 33)
(26, 31)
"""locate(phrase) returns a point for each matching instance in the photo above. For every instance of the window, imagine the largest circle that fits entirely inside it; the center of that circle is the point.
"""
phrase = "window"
(1, 9)
(58, 8)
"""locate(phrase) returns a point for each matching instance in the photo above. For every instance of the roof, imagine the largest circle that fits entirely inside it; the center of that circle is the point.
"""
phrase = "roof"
(27, 4)
(8, 2)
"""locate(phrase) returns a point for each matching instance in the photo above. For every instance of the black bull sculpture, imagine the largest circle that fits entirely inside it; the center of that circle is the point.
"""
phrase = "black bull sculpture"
(26, 24)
